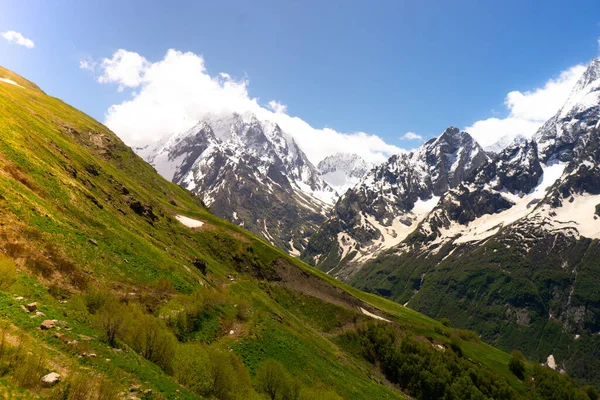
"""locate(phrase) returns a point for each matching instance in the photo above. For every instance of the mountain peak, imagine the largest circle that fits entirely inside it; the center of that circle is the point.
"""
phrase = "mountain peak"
(560, 136)
(343, 170)
(504, 142)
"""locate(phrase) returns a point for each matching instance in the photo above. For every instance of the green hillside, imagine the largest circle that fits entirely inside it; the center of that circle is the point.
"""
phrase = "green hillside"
(139, 305)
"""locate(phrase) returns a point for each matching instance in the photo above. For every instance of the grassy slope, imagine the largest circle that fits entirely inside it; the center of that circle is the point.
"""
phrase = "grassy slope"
(68, 183)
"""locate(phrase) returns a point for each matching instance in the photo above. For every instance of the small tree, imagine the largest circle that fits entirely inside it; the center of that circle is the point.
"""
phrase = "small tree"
(110, 317)
(271, 379)
(191, 368)
(516, 364)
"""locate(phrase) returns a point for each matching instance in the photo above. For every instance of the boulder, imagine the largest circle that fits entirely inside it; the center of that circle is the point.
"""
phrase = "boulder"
(32, 306)
(51, 379)
(47, 324)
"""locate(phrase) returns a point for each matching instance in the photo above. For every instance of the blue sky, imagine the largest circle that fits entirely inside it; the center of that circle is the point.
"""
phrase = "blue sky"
(383, 67)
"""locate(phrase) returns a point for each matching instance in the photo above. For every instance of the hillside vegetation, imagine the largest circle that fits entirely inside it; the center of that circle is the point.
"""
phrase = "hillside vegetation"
(101, 284)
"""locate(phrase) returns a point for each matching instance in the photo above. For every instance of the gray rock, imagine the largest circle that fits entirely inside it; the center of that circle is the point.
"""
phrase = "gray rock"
(50, 380)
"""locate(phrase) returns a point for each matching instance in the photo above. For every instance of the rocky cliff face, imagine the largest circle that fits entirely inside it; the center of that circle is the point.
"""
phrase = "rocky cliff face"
(250, 172)
(390, 201)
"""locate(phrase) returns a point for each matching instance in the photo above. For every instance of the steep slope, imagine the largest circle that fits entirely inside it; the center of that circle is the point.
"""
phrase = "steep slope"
(127, 286)
(249, 172)
(343, 171)
(512, 252)
(560, 136)
(391, 200)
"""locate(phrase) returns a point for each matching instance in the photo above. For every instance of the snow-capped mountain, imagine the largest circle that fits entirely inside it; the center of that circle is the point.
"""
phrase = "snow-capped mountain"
(390, 201)
(504, 142)
(564, 133)
(250, 172)
(343, 170)
(504, 241)
(450, 186)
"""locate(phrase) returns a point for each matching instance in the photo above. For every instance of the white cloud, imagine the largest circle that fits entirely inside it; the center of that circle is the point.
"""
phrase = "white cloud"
(125, 68)
(174, 93)
(527, 110)
(277, 107)
(18, 38)
(88, 65)
(411, 136)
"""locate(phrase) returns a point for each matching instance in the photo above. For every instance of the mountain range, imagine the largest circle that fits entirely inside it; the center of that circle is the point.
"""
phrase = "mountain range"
(118, 284)
(502, 239)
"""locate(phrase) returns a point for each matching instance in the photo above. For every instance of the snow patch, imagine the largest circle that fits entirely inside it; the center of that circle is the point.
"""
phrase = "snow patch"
(489, 224)
(10, 81)
(294, 252)
(189, 222)
(578, 213)
(370, 314)
(425, 206)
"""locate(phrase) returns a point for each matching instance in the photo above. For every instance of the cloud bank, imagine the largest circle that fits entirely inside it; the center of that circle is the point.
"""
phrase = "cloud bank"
(172, 94)
(18, 38)
(527, 110)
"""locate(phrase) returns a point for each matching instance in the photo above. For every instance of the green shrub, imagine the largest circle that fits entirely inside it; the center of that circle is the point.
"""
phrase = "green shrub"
(446, 322)
(96, 298)
(150, 337)
(271, 379)
(244, 310)
(516, 364)
(111, 318)
(191, 368)
(107, 390)
(8, 273)
(211, 373)
(28, 369)
(76, 388)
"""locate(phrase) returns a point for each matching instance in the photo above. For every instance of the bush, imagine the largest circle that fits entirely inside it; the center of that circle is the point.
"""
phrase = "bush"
(183, 314)
(589, 390)
(76, 388)
(244, 310)
(150, 337)
(8, 273)
(271, 379)
(446, 322)
(107, 390)
(191, 368)
(96, 298)
(425, 372)
(211, 373)
(455, 345)
(29, 368)
(111, 318)
(516, 364)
